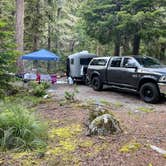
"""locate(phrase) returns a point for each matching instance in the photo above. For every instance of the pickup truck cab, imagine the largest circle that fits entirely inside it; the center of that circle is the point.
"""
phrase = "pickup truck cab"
(142, 74)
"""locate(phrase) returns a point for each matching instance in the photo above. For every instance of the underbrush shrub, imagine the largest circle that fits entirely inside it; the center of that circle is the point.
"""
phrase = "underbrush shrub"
(25, 99)
(71, 96)
(34, 84)
(21, 130)
(39, 91)
(12, 90)
(46, 85)
(8, 90)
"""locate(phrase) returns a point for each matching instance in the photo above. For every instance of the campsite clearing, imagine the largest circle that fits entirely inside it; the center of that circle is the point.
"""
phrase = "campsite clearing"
(143, 125)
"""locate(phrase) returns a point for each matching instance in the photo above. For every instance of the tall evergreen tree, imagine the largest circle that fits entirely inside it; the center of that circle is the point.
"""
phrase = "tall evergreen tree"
(20, 25)
(126, 21)
(7, 54)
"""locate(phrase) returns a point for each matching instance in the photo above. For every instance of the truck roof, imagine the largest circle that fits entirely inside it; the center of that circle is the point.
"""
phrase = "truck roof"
(134, 56)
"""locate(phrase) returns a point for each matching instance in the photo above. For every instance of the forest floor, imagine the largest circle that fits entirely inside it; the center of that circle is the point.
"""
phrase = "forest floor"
(143, 125)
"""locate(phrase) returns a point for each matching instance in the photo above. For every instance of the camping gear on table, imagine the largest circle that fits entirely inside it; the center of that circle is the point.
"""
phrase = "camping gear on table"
(53, 78)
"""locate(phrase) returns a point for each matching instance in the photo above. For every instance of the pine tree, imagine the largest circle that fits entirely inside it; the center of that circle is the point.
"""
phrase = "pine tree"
(20, 25)
(7, 54)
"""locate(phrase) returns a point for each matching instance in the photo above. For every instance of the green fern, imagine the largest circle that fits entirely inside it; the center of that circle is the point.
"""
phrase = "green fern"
(21, 130)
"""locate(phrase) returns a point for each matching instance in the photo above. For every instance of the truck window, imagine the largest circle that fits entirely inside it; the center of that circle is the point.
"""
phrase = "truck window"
(116, 62)
(148, 61)
(99, 62)
(130, 61)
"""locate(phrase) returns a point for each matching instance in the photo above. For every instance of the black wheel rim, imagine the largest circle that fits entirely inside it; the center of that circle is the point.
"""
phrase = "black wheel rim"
(148, 93)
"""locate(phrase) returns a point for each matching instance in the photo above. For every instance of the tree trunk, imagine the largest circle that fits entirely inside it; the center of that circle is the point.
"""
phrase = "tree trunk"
(117, 49)
(57, 41)
(72, 44)
(126, 47)
(49, 47)
(136, 44)
(59, 5)
(20, 25)
(59, 13)
(36, 42)
(49, 36)
(162, 51)
(98, 50)
(36, 36)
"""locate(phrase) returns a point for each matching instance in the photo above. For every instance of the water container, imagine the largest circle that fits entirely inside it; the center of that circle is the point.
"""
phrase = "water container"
(70, 80)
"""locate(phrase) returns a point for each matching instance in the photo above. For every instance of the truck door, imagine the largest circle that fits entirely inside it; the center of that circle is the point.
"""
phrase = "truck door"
(129, 72)
(114, 75)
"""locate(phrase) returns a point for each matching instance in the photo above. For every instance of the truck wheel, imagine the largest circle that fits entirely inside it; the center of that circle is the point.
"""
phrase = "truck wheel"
(149, 93)
(97, 84)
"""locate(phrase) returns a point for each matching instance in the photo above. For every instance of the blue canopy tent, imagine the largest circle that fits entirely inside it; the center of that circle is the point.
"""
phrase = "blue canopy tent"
(41, 55)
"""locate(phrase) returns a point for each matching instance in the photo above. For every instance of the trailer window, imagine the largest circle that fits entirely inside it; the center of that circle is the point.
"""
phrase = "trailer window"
(85, 61)
(72, 62)
(99, 62)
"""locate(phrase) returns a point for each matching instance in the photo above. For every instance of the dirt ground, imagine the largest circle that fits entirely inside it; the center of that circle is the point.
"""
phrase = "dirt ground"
(143, 125)
(130, 101)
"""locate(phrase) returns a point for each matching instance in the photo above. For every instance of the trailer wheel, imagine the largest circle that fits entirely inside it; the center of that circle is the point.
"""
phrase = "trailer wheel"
(97, 84)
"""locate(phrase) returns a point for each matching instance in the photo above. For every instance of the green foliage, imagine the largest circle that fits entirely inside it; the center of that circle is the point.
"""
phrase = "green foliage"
(39, 90)
(34, 24)
(7, 9)
(50, 25)
(21, 130)
(2, 93)
(126, 23)
(70, 96)
(57, 28)
(7, 54)
(46, 85)
(25, 99)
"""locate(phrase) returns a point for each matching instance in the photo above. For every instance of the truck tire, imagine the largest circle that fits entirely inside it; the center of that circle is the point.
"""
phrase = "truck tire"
(149, 93)
(97, 84)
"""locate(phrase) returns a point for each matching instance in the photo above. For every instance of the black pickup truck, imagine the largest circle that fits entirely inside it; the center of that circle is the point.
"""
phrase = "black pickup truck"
(141, 74)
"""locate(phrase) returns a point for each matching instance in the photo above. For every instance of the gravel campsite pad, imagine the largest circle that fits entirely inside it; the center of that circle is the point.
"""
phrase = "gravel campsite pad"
(143, 125)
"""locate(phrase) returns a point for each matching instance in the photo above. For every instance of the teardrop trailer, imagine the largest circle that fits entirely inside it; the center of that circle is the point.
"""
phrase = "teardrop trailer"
(77, 65)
